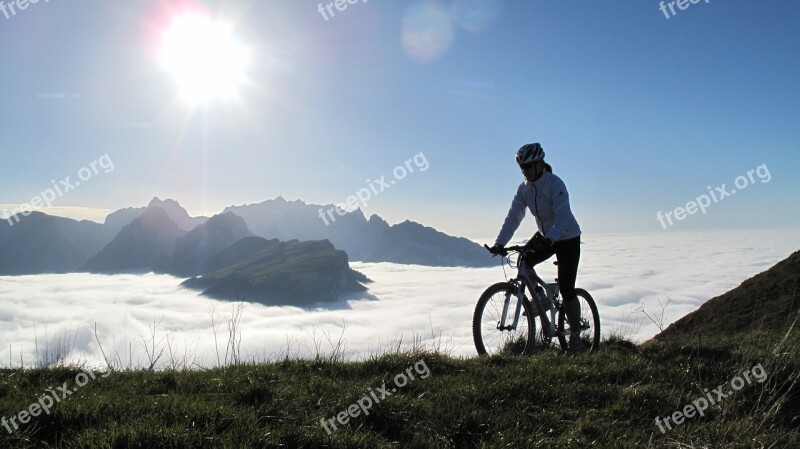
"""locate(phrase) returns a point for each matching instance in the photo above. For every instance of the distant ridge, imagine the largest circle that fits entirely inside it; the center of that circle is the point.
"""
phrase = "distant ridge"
(117, 220)
(195, 252)
(367, 240)
(40, 243)
(372, 240)
(142, 245)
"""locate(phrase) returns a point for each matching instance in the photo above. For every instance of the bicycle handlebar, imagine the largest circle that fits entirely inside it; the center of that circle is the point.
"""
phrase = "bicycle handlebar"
(515, 248)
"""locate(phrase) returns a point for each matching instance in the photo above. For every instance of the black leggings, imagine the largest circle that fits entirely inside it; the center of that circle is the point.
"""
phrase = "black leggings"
(568, 253)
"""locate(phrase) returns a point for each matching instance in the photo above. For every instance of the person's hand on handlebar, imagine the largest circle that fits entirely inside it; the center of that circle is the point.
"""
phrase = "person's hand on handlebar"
(496, 249)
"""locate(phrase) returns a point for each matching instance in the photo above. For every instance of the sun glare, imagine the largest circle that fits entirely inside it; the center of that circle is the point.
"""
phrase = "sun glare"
(204, 58)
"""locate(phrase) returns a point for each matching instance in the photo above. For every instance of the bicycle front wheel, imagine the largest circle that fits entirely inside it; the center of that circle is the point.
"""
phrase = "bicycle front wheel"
(494, 335)
(590, 323)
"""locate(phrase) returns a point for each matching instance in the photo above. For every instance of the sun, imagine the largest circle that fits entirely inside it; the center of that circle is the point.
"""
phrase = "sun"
(203, 57)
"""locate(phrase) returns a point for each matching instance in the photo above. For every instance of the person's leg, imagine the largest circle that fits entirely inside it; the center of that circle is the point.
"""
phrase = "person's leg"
(568, 253)
(532, 259)
(535, 258)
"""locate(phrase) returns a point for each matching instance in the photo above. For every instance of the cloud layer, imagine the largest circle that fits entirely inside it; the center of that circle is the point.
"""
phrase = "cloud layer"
(406, 304)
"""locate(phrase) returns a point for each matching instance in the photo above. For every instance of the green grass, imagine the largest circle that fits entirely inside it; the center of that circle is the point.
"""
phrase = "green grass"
(548, 400)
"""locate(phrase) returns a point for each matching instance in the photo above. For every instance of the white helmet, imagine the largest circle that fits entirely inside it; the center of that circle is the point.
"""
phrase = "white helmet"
(531, 152)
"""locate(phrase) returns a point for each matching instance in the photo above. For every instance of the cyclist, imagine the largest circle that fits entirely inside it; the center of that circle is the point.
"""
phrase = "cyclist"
(546, 196)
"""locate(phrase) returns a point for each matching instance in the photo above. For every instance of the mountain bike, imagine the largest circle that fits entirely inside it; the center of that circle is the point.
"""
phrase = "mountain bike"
(505, 319)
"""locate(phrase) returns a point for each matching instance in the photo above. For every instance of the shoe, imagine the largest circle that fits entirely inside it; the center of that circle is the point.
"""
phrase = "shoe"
(576, 344)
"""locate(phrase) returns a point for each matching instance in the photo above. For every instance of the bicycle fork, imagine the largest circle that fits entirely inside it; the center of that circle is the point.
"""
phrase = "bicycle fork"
(520, 295)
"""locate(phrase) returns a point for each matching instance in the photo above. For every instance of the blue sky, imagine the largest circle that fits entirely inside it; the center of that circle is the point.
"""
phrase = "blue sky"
(636, 112)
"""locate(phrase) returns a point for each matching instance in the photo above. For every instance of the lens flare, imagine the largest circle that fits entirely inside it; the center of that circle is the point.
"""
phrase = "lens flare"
(428, 31)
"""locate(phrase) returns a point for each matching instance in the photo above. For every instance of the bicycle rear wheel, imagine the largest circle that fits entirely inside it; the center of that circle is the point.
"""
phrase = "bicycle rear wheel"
(494, 338)
(590, 323)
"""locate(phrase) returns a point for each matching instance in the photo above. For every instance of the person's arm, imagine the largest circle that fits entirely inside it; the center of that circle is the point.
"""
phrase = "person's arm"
(561, 210)
(515, 215)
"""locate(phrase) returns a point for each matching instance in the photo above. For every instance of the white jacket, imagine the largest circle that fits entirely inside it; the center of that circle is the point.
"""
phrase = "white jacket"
(548, 201)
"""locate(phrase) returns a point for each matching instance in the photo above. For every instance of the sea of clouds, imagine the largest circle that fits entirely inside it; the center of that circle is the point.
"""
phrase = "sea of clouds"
(133, 317)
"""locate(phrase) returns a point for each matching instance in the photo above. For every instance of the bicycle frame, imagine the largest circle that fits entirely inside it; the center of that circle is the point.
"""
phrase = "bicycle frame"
(530, 280)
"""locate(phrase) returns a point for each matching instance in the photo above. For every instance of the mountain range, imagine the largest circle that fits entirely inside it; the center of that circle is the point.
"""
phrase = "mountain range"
(267, 251)
(367, 240)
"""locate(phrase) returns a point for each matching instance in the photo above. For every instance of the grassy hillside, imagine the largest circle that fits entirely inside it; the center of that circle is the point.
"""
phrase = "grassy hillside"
(625, 396)
(610, 399)
(758, 312)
